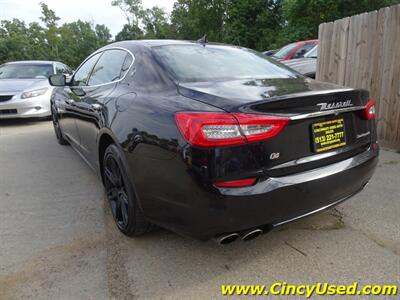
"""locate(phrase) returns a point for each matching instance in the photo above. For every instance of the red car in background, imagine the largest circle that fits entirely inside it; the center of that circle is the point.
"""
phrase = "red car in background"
(294, 50)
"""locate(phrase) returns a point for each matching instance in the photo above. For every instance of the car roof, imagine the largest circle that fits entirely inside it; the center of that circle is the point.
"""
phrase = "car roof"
(38, 62)
(151, 43)
(155, 43)
(308, 41)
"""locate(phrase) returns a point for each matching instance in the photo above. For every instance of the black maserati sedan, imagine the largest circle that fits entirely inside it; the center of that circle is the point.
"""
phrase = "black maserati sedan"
(211, 140)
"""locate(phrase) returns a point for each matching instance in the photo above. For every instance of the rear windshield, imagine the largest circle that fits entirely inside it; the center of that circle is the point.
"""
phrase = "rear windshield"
(25, 71)
(193, 63)
(285, 51)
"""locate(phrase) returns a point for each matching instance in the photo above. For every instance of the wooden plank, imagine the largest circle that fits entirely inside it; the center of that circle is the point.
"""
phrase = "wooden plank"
(327, 55)
(371, 23)
(342, 51)
(376, 61)
(393, 111)
(386, 80)
(319, 57)
(376, 86)
(396, 80)
(332, 65)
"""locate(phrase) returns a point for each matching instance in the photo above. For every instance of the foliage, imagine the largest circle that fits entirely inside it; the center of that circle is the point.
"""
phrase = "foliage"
(191, 19)
(253, 24)
(142, 23)
(257, 24)
(304, 16)
(70, 43)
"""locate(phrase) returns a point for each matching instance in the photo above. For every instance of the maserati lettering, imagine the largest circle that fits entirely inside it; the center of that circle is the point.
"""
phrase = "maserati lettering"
(341, 104)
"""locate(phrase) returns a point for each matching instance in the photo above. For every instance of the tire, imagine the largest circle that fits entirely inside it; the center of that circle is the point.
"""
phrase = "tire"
(57, 129)
(121, 195)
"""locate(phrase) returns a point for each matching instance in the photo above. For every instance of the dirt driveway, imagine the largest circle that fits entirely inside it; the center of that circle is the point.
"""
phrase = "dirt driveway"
(58, 241)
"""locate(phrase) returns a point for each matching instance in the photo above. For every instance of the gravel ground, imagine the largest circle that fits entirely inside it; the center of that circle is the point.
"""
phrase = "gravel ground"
(58, 240)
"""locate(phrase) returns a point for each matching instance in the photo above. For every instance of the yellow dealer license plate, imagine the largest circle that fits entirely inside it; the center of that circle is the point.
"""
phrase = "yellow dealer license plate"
(328, 135)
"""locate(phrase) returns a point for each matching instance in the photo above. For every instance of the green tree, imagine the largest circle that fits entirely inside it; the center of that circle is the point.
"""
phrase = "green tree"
(129, 32)
(79, 39)
(70, 43)
(191, 19)
(142, 23)
(52, 41)
(48, 17)
(133, 11)
(253, 24)
(155, 23)
(304, 16)
(13, 43)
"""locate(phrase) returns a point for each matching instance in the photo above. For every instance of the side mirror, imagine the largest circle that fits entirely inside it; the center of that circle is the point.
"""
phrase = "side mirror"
(57, 80)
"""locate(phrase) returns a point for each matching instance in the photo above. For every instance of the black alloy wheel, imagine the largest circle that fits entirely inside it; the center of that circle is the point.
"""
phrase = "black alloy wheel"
(121, 196)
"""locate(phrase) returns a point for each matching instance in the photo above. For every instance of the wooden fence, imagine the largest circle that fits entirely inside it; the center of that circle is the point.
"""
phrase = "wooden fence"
(363, 51)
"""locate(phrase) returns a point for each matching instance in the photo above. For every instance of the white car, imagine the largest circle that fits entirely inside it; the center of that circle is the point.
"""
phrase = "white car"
(24, 88)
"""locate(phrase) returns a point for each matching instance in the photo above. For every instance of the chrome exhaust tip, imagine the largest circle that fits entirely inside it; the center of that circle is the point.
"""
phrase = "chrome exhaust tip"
(251, 234)
(226, 238)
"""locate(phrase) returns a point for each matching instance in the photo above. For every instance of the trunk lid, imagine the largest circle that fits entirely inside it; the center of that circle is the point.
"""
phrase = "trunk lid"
(309, 104)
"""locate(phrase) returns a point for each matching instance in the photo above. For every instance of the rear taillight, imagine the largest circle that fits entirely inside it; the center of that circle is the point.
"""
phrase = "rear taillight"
(369, 111)
(236, 183)
(204, 129)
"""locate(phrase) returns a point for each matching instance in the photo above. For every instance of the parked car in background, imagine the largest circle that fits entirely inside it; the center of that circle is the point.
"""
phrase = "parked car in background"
(294, 50)
(270, 52)
(307, 65)
(24, 88)
(211, 140)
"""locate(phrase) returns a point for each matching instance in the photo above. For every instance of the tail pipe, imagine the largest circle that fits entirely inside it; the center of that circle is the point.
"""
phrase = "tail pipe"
(251, 234)
(226, 238)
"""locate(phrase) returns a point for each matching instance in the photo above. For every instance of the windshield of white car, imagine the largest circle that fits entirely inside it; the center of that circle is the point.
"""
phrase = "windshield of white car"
(195, 63)
(26, 71)
(312, 53)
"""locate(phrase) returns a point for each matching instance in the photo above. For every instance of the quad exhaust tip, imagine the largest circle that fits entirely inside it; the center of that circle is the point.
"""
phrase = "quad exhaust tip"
(231, 237)
(251, 234)
(226, 238)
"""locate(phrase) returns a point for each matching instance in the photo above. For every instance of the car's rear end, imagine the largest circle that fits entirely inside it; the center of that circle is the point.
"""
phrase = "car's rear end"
(278, 150)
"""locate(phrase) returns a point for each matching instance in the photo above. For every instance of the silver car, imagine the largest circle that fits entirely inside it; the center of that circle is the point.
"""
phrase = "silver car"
(24, 88)
(306, 65)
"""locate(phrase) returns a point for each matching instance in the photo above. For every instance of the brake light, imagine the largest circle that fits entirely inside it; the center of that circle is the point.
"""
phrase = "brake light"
(236, 183)
(369, 111)
(205, 129)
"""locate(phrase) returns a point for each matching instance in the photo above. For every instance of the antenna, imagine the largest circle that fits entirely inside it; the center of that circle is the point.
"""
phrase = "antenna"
(203, 40)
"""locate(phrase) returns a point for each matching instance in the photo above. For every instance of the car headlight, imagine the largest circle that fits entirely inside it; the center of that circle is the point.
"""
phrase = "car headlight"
(34, 93)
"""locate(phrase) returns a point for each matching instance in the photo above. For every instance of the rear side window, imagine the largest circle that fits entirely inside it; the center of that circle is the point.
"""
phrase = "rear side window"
(82, 75)
(62, 69)
(109, 67)
(59, 68)
(303, 50)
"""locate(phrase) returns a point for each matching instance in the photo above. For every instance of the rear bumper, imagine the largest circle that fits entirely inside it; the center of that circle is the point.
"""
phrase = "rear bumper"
(272, 201)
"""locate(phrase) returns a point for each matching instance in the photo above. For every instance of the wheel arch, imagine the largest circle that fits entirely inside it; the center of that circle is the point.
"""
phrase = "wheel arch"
(106, 138)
